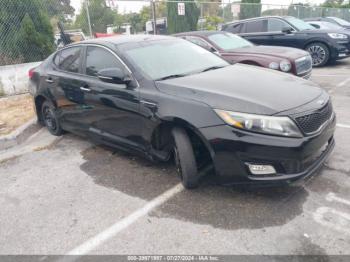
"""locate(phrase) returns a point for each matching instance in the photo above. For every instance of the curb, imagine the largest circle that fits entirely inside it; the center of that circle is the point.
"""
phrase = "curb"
(20, 134)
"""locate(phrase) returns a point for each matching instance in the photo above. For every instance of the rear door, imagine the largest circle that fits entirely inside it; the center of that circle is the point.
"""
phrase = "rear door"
(112, 110)
(64, 80)
(256, 32)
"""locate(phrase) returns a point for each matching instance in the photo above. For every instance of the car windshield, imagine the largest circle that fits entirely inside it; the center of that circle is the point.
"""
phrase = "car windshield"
(170, 58)
(228, 41)
(340, 21)
(299, 24)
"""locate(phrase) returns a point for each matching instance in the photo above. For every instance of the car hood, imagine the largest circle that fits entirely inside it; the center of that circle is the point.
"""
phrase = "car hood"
(243, 88)
(282, 52)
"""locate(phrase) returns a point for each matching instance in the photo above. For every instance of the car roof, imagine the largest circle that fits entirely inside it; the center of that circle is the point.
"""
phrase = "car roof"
(256, 18)
(200, 33)
(123, 39)
(313, 19)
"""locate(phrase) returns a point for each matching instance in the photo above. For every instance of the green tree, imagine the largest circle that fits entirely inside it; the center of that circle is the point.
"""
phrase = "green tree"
(182, 23)
(25, 31)
(212, 22)
(100, 16)
(250, 8)
(333, 3)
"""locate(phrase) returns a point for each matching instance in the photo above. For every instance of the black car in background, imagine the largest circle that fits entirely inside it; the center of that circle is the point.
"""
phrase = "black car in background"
(334, 20)
(323, 45)
(323, 25)
(166, 98)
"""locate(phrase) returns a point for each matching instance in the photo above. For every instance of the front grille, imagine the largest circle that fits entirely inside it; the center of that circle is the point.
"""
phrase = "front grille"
(303, 64)
(311, 123)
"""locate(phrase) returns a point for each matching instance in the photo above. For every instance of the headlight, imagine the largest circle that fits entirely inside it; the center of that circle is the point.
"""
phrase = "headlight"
(274, 65)
(272, 125)
(285, 65)
(337, 36)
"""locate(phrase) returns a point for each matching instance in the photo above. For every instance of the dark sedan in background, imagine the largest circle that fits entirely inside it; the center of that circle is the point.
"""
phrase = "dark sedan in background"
(323, 25)
(166, 98)
(323, 45)
(334, 20)
(235, 49)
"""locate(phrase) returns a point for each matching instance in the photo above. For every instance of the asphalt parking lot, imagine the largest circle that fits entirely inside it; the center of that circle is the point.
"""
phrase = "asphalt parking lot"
(68, 196)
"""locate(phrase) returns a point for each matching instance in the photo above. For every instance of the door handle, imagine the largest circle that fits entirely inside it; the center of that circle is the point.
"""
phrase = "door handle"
(85, 89)
(49, 80)
(148, 104)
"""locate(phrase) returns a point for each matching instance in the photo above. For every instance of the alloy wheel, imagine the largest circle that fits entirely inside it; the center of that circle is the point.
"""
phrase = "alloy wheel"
(318, 54)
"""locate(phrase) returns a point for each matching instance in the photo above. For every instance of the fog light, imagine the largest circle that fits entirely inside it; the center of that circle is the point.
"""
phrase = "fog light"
(261, 169)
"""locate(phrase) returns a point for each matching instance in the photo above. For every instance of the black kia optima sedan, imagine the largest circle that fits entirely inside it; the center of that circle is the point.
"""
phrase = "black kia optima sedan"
(166, 98)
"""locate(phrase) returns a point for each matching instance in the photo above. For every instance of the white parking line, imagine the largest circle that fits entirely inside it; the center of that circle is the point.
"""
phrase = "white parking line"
(113, 230)
(332, 197)
(343, 125)
(330, 75)
(343, 83)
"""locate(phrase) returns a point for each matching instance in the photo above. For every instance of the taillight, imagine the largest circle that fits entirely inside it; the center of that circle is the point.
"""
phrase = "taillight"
(31, 72)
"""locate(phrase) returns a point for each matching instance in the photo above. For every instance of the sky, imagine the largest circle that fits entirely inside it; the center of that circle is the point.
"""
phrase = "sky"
(135, 6)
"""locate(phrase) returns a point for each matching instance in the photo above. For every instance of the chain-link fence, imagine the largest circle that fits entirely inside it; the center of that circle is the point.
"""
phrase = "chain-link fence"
(29, 31)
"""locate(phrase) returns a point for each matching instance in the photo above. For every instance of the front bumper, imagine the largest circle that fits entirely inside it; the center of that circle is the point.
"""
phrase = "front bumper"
(292, 158)
(341, 50)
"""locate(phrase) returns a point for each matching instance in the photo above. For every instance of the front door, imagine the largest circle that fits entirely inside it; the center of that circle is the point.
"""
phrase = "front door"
(112, 110)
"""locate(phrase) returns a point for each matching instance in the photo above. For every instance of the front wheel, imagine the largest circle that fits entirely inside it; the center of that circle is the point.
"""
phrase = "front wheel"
(319, 53)
(50, 119)
(184, 158)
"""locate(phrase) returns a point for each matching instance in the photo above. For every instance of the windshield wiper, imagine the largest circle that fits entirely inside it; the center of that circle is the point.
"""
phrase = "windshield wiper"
(170, 76)
(212, 68)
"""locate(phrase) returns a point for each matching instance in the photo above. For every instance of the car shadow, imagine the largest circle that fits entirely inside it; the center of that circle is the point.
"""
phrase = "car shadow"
(210, 204)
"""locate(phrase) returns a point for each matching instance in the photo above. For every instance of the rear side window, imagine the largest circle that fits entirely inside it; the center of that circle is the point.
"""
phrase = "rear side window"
(97, 58)
(235, 28)
(276, 25)
(68, 59)
(255, 26)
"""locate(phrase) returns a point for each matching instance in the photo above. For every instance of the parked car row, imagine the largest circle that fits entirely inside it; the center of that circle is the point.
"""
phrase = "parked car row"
(235, 49)
(166, 98)
(324, 45)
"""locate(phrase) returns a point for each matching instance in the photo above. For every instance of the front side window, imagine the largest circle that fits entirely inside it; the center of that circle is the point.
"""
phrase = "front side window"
(228, 41)
(163, 58)
(255, 26)
(97, 58)
(68, 59)
(276, 25)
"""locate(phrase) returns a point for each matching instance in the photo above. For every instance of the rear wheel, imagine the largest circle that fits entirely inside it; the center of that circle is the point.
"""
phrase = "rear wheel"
(185, 159)
(50, 119)
(319, 53)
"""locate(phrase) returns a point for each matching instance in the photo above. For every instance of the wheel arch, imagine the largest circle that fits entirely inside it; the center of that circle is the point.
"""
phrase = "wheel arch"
(38, 101)
(162, 133)
(313, 41)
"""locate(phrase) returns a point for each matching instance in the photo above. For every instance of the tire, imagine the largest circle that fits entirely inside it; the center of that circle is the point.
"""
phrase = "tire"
(319, 52)
(48, 112)
(184, 158)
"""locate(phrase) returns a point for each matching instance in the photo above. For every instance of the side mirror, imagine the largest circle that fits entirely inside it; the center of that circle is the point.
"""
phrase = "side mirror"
(287, 30)
(113, 75)
(212, 49)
